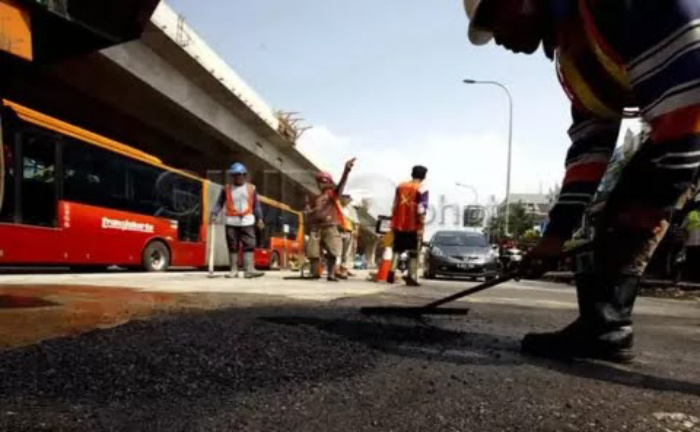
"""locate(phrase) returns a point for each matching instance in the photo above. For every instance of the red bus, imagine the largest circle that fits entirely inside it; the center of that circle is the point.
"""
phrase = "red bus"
(70, 197)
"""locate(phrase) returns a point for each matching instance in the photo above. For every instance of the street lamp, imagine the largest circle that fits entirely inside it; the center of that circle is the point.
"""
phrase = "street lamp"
(510, 141)
(471, 188)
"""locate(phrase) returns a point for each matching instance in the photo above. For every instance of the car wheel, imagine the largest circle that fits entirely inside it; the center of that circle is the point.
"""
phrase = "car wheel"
(275, 261)
(156, 257)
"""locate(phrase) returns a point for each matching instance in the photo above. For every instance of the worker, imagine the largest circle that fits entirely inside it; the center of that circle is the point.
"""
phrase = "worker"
(326, 217)
(350, 232)
(239, 200)
(691, 226)
(407, 222)
(610, 56)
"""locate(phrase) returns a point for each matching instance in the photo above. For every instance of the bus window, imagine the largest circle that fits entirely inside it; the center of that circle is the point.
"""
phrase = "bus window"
(98, 177)
(38, 191)
(94, 176)
(7, 182)
(179, 198)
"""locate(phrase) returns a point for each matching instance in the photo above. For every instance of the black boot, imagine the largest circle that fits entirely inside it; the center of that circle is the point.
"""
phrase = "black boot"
(603, 330)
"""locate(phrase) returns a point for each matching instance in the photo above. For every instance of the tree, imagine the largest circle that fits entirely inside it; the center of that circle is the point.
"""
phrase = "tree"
(520, 222)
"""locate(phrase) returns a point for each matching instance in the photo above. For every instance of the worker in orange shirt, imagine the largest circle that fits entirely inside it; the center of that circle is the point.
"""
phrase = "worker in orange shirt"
(407, 222)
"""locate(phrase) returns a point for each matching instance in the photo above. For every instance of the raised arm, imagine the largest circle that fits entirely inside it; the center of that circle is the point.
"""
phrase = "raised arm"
(346, 173)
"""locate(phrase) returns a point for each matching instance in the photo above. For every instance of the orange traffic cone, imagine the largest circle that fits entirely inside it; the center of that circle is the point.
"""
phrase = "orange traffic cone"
(385, 266)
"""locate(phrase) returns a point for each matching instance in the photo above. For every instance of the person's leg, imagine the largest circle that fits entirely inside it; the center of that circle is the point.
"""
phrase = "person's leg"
(627, 233)
(247, 239)
(412, 279)
(341, 261)
(347, 249)
(638, 212)
(232, 243)
(398, 248)
(313, 253)
(350, 259)
(334, 247)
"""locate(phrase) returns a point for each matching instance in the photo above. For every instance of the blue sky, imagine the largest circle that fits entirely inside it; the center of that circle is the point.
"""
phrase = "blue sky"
(381, 80)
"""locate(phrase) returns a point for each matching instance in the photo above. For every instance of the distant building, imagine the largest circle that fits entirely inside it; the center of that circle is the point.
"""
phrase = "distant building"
(537, 204)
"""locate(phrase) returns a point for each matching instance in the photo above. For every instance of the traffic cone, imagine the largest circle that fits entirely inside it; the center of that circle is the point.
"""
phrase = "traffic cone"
(385, 266)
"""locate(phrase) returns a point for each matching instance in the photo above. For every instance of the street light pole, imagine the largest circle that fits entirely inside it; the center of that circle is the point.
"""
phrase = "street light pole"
(510, 141)
(471, 188)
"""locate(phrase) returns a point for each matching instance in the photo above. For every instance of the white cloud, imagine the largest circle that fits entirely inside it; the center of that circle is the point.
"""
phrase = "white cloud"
(477, 161)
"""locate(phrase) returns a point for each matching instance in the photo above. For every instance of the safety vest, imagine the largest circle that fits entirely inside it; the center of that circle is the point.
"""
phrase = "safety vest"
(592, 74)
(348, 224)
(405, 216)
(231, 208)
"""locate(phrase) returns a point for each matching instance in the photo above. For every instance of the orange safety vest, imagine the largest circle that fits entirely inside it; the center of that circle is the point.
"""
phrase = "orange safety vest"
(231, 208)
(405, 215)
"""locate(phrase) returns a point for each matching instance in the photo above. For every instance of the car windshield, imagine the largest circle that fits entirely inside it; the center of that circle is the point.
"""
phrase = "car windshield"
(459, 239)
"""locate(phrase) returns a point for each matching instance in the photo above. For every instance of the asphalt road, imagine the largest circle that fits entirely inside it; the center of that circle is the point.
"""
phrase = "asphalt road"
(271, 357)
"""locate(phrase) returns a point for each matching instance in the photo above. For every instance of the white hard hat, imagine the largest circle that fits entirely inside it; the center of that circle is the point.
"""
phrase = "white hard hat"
(476, 36)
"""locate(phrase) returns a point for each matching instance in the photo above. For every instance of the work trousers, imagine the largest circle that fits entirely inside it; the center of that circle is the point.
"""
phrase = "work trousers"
(660, 45)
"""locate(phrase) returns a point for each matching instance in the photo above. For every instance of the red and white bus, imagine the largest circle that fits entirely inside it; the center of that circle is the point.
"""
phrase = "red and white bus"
(70, 197)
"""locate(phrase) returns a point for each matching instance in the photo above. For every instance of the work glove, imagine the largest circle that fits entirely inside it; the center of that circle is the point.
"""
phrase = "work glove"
(542, 259)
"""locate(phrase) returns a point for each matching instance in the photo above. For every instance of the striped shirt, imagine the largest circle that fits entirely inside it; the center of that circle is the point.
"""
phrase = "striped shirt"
(640, 52)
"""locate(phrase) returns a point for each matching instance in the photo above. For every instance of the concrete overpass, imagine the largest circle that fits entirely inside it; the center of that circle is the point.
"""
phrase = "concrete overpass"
(169, 94)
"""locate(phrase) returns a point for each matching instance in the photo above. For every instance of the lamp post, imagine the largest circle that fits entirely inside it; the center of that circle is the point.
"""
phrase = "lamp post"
(510, 141)
(471, 188)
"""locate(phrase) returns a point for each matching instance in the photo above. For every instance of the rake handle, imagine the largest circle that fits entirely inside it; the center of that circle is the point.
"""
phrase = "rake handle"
(473, 290)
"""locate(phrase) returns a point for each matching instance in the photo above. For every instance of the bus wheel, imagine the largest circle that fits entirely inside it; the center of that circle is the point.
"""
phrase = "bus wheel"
(156, 257)
(275, 261)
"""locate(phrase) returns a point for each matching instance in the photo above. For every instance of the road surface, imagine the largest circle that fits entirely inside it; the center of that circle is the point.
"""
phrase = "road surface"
(179, 351)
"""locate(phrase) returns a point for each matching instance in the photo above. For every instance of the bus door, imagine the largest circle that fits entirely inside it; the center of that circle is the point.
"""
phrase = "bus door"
(30, 191)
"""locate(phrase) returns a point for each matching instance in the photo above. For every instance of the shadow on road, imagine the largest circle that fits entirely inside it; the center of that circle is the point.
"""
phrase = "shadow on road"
(414, 339)
(436, 344)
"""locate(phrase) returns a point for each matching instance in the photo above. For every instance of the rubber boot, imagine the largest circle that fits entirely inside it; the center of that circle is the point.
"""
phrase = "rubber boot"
(234, 272)
(249, 265)
(332, 268)
(412, 278)
(604, 328)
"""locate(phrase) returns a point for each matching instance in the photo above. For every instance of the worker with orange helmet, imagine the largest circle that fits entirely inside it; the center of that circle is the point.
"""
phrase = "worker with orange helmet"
(610, 56)
(407, 222)
(325, 218)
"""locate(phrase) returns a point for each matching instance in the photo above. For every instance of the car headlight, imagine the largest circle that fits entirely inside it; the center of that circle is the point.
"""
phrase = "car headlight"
(436, 251)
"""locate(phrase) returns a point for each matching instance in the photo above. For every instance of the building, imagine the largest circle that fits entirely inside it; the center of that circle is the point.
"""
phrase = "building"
(535, 204)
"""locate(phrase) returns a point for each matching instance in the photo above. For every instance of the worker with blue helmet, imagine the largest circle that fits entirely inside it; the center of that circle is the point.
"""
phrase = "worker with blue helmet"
(239, 200)
(237, 168)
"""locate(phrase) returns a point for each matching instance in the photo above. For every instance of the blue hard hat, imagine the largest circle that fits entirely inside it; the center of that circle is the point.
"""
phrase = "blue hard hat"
(238, 168)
